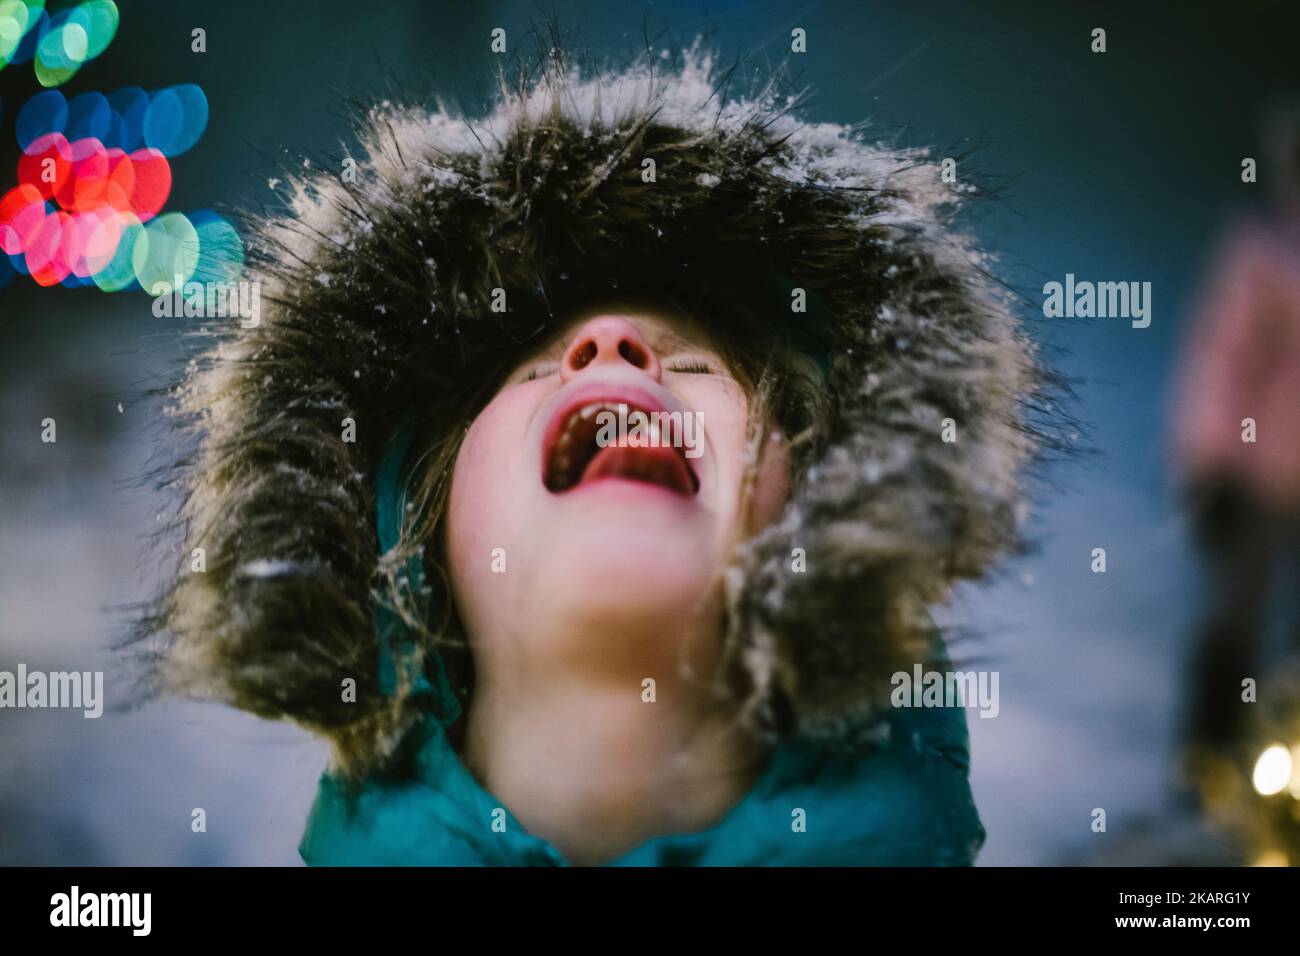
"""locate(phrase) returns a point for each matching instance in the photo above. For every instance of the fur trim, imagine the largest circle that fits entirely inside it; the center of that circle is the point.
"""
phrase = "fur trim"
(378, 297)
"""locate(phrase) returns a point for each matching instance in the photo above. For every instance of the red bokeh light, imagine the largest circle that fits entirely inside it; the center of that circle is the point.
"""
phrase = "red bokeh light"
(22, 210)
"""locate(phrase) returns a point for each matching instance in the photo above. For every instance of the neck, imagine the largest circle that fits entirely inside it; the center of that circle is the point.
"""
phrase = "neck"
(595, 769)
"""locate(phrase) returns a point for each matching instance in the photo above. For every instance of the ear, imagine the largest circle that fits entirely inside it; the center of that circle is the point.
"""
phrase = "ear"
(772, 484)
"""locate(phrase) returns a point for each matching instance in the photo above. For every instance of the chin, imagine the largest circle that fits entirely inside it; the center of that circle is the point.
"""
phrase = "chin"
(642, 561)
(634, 570)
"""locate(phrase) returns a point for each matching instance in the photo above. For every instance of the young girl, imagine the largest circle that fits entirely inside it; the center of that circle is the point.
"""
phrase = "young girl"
(531, 641)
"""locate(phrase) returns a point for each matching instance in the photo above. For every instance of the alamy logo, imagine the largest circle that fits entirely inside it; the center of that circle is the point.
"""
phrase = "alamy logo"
(1098, 300)
(641, 429)
(75, 689)
(103, 909)
(946, 689)
(209, 300)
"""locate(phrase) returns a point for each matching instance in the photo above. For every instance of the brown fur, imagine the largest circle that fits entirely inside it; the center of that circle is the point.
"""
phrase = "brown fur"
(379, 303)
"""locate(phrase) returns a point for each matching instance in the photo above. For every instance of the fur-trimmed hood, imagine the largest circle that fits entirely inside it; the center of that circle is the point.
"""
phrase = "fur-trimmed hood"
(377, 293)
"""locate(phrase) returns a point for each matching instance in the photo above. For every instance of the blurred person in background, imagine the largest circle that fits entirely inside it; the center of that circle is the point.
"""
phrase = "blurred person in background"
(1236, 433)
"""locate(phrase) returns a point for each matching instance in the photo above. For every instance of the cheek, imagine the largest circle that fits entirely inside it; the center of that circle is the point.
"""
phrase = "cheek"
(471, 491)
(467, 507)
(729, 411)
(485, 491)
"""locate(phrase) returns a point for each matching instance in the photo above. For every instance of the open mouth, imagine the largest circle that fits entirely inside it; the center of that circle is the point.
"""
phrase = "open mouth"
(572, 454)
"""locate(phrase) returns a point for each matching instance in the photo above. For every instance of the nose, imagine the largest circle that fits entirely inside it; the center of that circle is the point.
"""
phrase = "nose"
(606, 341)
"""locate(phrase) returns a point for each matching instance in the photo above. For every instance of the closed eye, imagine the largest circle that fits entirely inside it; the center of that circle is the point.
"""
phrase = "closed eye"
(540, 371)
(692, 368)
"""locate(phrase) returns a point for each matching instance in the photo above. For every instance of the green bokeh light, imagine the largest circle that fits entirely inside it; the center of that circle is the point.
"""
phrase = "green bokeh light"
(119, 272)
(84, 35)
(16, 18)
(59, 56)
(221, 251)
(168, 247)
(100, 20)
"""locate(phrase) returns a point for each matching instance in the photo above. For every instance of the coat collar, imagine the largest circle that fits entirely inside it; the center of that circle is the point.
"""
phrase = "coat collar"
(900, 799)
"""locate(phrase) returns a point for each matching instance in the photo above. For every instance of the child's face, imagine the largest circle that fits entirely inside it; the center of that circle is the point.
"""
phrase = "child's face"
(595, 535)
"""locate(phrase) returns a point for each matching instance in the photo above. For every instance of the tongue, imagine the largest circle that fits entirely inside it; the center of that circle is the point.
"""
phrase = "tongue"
(657, 466)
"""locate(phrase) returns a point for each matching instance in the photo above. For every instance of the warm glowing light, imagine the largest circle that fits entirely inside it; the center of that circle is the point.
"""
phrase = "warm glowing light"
(1272, 770)
(1270, 858)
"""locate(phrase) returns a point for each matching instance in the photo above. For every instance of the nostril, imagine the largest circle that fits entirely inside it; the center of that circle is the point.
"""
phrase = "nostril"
(633, 354)
(583, 355)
